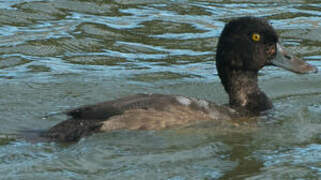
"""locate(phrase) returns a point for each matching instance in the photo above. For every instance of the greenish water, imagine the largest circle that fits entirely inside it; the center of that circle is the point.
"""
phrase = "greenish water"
(57, 55)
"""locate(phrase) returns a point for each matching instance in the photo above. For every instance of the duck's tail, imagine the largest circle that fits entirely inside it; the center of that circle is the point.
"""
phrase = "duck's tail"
(72, 130)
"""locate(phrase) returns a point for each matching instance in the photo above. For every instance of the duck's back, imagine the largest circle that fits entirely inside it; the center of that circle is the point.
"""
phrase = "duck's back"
(137, 112)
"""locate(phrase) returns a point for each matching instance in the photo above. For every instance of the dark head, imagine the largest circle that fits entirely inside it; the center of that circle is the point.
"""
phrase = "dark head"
(246, 45)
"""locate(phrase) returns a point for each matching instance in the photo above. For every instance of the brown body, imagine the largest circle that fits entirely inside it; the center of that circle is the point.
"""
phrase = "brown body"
(139, 112)
(177, 111)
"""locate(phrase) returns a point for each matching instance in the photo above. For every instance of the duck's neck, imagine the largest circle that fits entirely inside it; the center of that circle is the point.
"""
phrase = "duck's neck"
(244, 92)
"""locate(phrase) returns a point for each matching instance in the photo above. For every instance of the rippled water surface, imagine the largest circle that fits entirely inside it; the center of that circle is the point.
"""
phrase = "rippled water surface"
(60, 54)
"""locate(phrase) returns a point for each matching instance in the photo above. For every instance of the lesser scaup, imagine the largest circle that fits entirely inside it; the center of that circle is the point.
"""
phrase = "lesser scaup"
(245, 46)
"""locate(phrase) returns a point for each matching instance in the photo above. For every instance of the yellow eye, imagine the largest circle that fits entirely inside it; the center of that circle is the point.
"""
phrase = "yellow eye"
(256, 37)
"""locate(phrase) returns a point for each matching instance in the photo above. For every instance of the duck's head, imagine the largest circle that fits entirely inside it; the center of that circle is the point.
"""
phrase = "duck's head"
(245, 46)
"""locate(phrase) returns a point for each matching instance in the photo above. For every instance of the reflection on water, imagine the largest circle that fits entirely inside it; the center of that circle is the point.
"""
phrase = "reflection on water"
(55, 55)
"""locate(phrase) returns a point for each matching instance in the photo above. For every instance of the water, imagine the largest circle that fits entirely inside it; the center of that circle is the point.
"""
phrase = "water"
(57, 55)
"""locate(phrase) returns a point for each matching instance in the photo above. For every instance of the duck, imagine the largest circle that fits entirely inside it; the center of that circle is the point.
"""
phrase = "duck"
(245, 46)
